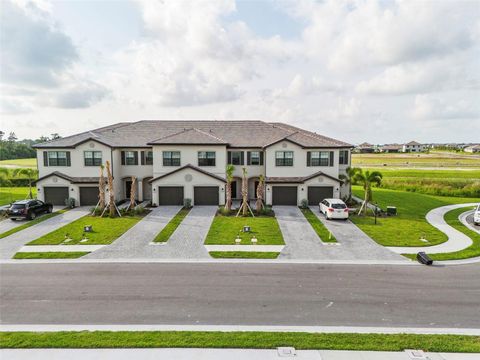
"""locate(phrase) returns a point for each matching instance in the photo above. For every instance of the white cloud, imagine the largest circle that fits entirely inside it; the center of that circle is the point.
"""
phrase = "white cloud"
(449, 106)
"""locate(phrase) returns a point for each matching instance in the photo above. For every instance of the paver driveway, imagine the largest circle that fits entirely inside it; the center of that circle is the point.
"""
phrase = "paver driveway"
(185, 243)
(303, 243)
(7, 224)
(11, 244)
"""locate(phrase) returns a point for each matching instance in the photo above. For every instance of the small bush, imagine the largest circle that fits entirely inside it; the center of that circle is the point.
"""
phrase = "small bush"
(222, 210)
(139, 210)
(304, 204)
(187, 203)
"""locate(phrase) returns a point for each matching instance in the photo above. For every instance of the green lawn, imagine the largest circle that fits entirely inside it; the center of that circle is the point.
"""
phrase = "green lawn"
(323, 233)
(172, 225)
(473, 250)
(31, 223)
(50, 255)
(105, 231)
(254, 340)
(410, 224)
(11, 194)
(243, 255)
(32, 162)
(225, 229)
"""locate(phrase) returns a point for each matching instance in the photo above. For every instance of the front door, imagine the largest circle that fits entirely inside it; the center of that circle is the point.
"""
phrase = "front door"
(255, 190)
(128, 188)
(234, 189)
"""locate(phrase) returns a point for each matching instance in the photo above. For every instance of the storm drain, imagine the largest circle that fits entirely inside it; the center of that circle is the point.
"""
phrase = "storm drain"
(416, 355)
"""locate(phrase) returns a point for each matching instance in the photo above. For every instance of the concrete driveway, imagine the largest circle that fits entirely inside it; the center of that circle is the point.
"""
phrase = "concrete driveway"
(11, 244)
(7, 224)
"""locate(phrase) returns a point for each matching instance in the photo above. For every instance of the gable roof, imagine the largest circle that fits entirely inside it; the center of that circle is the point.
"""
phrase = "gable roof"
(297, 179)
(234, 133)
(73, 180)
(188, 166)
(413, 143)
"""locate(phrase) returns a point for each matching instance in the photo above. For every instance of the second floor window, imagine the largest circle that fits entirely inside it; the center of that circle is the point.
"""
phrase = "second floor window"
(235, 157)
(129, 157)
(206, 158)
(320, 158)
(56, 158)
(343, 157)
(92, 158)
(284, 158)
(171, 158)
(255, 158)
(147, 157)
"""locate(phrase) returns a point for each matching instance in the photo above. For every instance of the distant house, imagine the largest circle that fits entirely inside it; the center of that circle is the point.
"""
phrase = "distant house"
(472, 148)
(413, 146)
(365, 148)
(391, 148)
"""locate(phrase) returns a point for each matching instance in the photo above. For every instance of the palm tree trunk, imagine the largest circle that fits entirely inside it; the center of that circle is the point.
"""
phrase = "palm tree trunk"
(228, 191)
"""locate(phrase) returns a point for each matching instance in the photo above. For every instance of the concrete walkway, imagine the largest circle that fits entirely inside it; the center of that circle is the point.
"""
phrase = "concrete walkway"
(135, 242)
(11, 244)
(456, 240)
(60, 248)
(301, 241)
(7, 224)
(221, 354)
(354, 243)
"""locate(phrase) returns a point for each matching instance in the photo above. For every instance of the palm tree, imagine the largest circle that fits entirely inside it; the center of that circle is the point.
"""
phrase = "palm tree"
(348, 178)
(244, 207)
(30, 174)
(111, 201)
(260, 193)
(228, 187)
(101, 189)
(366, 180)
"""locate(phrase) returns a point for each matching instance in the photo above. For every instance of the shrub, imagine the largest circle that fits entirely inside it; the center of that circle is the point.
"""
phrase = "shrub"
(70, 202)
(139, 210)
(187, 203)
(304, 203)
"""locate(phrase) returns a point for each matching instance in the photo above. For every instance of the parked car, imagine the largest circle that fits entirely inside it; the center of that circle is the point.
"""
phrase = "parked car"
(334, 209)
(28, 209)
(476, 215)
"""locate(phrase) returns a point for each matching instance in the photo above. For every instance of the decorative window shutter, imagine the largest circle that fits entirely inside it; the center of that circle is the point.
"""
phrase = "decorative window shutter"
(242, 158)
(309, 158)
(249, 156)
(45, 158)
(261, 157)
(229, 157)
(331, 158)
(135, 155)
(69, 162)
(123, 157)
(142, 157)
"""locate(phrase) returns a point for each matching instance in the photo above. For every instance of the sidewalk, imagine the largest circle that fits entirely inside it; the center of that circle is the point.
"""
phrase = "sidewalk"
(221, 354)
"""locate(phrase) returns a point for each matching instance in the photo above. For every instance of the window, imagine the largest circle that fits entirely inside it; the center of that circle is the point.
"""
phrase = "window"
(92, 158)
(131, 158)
(320, 158)
(206, 158)
(343, 157)
(255, 158)
(149, 158)
(56, 158)
(235, 157)
(284, 158)
(171, 158)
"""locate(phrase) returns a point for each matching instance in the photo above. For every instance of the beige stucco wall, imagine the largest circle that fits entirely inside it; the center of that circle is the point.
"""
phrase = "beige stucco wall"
(55, 181)
(180, 179)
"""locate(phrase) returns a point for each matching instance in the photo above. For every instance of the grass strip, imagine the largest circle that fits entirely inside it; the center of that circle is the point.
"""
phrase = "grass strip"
(50, 255)
(172, 225)
(243, 255)
(255, 340)
(31, 223)
(323, 233)
(473, 250)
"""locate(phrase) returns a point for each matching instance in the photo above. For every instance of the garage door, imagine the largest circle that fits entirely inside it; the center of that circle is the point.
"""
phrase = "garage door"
(88, 196)
(318, 193)
(284, 195)
(55, 195)
(205, 195)
(170, 195)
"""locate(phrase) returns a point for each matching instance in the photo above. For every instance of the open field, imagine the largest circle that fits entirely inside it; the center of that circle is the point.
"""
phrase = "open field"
(410, 224)
(240, 340)
(19, 163)
(10, 194)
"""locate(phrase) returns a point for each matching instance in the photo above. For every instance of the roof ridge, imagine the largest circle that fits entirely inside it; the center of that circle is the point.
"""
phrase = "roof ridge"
(209, 134)
(171, 135)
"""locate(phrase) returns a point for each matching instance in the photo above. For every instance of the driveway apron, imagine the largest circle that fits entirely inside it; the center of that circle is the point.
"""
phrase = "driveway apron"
(185, 243)
(11, 244)
(354, 243)
(301, 241)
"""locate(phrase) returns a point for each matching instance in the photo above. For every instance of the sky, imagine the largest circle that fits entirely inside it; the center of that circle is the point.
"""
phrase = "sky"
(376, 71)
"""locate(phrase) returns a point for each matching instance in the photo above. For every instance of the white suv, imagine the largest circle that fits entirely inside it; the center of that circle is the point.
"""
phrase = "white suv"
(334, 209)
(476, 215)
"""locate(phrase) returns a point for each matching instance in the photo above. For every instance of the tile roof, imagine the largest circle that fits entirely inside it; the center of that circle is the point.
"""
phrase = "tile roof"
(188, 166)
(241, 133)
(297, 179)
(73, 180)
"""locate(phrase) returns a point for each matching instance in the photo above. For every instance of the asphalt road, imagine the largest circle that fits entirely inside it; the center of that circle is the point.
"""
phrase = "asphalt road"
(240, 294)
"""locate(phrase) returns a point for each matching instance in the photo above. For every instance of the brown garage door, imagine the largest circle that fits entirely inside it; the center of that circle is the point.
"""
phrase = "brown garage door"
(88, 196)
(318, 193)
(284, 195)
(170, 195)
(55, 195)
(205, 195)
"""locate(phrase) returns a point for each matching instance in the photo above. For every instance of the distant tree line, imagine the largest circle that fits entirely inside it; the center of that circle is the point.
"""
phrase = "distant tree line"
(12, 148)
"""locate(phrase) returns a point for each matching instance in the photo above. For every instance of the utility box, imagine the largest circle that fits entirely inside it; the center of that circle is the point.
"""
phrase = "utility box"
(391, 210)
(88, 228)
(246, 229)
